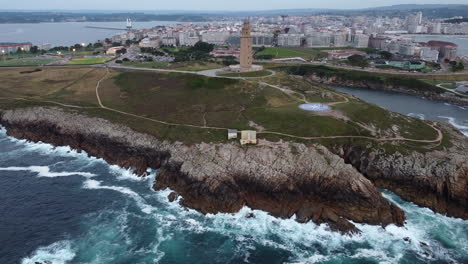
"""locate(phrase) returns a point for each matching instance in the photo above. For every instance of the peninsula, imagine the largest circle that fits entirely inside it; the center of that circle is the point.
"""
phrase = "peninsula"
(324, 166)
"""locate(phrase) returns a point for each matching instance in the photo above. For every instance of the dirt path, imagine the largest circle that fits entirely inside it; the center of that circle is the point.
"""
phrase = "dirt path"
(452, 90)
(102, 106)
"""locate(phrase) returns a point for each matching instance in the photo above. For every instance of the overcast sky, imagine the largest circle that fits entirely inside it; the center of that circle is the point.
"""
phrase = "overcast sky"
(208, 4)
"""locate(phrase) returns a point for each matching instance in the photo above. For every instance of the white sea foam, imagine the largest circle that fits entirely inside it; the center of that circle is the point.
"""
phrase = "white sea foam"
(60, 252)
(387, 244)
(126, 174)
(44, 171)
(417, 115)
(145, 208)
(453, 122)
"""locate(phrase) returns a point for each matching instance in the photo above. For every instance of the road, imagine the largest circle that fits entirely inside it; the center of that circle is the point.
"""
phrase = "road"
(375, 70)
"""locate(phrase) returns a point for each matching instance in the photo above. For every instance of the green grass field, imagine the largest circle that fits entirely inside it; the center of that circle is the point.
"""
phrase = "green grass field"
(150, 65)
(180, 66)
(26, 62)
(203, 101)
(306, 53)
(88, 61)
(449, 85)
(262, 73)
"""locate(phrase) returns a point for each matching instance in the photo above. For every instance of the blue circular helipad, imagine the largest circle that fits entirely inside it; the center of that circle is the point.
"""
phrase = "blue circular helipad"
(315, 107)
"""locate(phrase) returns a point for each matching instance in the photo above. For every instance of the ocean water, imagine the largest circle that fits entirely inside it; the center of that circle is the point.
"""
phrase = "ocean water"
(59, 206)
(414, 106)
(67, 33)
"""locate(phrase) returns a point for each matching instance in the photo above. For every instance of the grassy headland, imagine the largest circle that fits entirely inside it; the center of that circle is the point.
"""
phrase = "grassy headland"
(192, 108)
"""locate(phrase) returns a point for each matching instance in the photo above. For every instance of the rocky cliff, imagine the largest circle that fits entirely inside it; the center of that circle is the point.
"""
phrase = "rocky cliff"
(434, 179)
(338, 81)
(283, 178)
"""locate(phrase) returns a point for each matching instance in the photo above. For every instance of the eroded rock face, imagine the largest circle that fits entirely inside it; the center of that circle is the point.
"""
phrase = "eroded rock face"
(435, 179)
(282, 178)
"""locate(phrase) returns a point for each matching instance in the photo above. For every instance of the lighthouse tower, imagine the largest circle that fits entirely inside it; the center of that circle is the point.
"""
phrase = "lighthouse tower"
(246, 53)
(246, 46)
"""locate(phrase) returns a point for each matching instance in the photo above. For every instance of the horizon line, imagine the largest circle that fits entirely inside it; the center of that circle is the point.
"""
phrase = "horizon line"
(219, 10)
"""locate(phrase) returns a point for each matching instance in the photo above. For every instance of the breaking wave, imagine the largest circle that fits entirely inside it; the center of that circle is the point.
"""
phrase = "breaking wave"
(58, 253)
(150, 229)
(453, 122)
(44, 171)
(417, 115)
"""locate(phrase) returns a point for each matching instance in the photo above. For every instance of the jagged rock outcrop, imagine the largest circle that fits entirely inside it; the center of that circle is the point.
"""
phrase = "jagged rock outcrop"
(434, 179)
(282, 178)
(337, 81)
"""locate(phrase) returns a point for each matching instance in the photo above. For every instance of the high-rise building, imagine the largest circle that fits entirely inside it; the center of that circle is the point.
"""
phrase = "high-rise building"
(360, 40)
(319, 39)
(290, 40)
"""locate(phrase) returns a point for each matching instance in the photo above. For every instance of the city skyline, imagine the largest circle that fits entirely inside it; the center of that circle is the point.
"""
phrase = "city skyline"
(210, 5)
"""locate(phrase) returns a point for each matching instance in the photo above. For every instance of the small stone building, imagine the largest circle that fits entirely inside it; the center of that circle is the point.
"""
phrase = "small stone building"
(232, 133)
(248, 137)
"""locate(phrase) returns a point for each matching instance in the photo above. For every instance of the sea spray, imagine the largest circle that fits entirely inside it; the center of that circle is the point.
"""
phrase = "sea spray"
(150, 228)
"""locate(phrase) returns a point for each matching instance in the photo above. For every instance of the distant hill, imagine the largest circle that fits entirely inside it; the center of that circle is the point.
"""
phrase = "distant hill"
(431, 11)
(37, 16)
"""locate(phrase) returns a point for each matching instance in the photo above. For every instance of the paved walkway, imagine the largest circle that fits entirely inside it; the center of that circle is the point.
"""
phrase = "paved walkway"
(452, 90)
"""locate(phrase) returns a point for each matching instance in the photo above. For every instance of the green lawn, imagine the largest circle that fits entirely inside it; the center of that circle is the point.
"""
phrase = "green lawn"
(199, 100)
(179, 66)
(26, 62)
(87, 61)
(262, 73)
(151, 65)
(306, 53)
(445, 84)
(449, 85)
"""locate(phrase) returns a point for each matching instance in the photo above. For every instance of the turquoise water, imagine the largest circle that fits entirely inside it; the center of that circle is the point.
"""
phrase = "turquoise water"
(69, 208)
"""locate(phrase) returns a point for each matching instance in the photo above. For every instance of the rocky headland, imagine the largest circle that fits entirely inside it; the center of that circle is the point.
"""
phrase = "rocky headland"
(283, 178)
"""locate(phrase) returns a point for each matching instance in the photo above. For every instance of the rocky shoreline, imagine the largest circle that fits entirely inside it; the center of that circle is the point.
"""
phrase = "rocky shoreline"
(282, 178)
(337, 81)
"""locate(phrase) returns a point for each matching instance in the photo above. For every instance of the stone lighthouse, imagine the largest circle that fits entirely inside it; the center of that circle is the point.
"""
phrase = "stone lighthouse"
(246, 53)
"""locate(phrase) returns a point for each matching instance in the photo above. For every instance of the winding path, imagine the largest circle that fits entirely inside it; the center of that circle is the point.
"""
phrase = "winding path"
(437, 140)
(288, 91)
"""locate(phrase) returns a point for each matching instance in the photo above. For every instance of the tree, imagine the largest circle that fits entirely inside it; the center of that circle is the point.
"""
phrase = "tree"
(34, 49)
(358, 61)
(128, 42)
(229, 60)
(203, 47)
(386, 55)
(457, 66)
(97, 45)
(121, 51)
